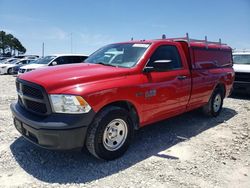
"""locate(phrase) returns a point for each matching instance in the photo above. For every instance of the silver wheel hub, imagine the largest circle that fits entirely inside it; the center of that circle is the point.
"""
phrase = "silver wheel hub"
(217, 103)
(115, 134)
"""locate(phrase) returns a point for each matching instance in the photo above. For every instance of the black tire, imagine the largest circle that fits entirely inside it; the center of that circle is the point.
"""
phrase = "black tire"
(213, 107)
(95, 141)
(9, 71)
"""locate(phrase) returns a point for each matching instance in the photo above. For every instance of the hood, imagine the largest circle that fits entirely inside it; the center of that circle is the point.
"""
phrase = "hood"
(59, 78)
(241, 68)
(33, 66)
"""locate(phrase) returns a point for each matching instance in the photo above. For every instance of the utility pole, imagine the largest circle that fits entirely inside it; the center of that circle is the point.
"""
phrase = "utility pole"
(71, 42)
(43, 50)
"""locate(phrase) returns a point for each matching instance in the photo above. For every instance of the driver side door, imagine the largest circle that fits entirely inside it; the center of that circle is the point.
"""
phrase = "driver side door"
(167, 89)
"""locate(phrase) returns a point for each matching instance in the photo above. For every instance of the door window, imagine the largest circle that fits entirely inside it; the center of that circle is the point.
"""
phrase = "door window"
(164, 53)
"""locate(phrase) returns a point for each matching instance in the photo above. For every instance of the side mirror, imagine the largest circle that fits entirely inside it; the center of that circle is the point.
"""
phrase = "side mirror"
(159, 66)
(148, 69)
(54, 63)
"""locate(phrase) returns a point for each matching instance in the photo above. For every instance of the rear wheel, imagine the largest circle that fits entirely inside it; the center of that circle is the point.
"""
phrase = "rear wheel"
(110, 134)
(214, 105)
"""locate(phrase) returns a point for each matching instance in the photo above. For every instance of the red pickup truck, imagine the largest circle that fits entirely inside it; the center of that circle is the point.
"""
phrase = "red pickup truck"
(120, 88)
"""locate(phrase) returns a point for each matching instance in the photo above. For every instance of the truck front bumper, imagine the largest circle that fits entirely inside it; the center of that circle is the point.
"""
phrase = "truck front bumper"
(56, 131)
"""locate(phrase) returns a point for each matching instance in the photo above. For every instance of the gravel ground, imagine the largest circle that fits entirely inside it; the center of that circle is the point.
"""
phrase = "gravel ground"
(186, 151)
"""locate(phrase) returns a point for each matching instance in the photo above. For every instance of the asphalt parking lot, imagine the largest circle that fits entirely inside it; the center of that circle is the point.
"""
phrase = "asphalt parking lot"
(190, 150)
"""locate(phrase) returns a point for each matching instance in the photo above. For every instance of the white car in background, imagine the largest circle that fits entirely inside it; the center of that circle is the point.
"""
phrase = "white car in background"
(52, 60)
(242, 71)
(6, 68)
(22, 62)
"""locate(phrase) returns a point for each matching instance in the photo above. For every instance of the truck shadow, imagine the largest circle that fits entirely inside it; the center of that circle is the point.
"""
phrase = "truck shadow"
(77, 167)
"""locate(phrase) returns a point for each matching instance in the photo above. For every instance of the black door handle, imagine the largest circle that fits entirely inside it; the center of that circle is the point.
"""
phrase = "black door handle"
(181, 77)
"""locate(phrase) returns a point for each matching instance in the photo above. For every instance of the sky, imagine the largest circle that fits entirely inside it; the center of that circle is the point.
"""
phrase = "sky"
(83, 26)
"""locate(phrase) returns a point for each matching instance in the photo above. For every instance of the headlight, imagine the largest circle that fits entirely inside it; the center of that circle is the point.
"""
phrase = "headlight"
(69, 104)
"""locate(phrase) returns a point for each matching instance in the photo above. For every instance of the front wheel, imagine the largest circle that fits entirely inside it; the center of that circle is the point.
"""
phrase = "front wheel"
(214, 105)
(110, 133)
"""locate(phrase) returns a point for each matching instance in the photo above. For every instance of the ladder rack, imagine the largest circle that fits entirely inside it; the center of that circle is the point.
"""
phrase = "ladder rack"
(189, 40)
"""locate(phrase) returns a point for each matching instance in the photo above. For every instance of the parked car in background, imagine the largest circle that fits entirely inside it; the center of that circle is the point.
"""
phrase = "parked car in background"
(52, 60)
(241, 67)
(15, 68)
(7, 68)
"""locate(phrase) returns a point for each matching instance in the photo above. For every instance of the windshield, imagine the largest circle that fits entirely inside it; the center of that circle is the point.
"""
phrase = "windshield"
(118, 55)
(241, 59)
(14, 61)
(44, 60)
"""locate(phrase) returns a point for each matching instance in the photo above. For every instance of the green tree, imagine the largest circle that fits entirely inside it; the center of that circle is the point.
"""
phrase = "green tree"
(2, 41)
(10, 44)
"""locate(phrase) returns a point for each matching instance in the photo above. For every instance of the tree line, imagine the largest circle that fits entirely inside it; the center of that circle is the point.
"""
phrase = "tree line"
(10, 45)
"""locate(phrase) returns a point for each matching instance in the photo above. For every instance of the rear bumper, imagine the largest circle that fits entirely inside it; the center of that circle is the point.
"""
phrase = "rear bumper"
(56, 131)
